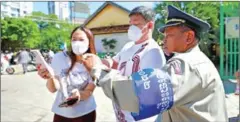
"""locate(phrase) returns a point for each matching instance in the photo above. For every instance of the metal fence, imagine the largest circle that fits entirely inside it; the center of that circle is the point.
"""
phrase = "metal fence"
(229, 46)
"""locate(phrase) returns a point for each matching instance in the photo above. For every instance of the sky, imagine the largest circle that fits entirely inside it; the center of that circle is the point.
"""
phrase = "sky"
(43, 6)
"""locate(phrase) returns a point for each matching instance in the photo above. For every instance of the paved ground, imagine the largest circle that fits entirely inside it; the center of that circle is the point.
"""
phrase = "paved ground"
(25, 98)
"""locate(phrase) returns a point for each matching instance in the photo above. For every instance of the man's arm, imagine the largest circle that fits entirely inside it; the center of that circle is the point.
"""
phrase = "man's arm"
(110, 62)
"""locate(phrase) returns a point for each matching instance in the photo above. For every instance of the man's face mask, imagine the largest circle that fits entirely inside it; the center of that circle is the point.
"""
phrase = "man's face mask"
(80, 47)
(135, 33)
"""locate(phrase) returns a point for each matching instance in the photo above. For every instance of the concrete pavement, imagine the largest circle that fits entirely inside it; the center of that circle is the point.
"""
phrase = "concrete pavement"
(25, 98)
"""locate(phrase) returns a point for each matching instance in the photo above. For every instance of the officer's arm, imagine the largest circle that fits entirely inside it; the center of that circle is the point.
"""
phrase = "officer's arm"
(112, 84)
(185, 81)
(176, 84)
(158, 90)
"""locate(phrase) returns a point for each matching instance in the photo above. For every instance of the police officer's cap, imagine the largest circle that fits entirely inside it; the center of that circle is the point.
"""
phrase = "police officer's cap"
(177, 17)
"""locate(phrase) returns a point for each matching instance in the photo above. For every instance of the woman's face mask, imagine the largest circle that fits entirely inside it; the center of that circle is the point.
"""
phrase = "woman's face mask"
(79, 47)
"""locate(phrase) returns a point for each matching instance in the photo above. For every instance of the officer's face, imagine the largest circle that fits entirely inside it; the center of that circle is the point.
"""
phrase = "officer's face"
(176, 40)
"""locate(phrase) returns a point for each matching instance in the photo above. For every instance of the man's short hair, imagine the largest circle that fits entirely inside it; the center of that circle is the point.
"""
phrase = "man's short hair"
(147, 13)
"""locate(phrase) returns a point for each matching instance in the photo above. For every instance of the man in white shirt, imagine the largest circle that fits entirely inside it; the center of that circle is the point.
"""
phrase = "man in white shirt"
(142, 52)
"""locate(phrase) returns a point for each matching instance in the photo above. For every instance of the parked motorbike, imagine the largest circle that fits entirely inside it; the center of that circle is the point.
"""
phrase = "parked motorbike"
(11, 69)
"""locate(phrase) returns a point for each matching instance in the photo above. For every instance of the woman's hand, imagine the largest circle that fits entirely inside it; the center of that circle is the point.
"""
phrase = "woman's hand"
(82, 95)
(75, 95)
(90, 60)
(43, 72)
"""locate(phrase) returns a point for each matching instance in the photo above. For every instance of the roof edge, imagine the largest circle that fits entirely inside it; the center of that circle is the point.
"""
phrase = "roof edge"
(101, 8)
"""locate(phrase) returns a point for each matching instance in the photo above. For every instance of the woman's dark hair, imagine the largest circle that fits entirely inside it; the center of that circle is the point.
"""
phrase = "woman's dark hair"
(91, 48)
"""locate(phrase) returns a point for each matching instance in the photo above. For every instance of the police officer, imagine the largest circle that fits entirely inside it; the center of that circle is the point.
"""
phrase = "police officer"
(190, 81)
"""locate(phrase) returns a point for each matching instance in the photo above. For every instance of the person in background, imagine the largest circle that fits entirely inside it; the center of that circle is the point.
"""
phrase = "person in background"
(24, 58)
(4, 63)
(63, 47)
(50, 56)
(237, 75)
(70, 72)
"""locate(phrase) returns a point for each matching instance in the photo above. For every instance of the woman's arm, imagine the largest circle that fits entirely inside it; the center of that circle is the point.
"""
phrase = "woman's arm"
(50, 85)
(87, 92)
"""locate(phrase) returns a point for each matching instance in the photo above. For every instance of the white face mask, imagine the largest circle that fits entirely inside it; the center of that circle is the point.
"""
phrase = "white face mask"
(80, 47)
(134, 33)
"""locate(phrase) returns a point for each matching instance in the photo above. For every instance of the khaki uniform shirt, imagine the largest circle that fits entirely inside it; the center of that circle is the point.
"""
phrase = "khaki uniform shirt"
(198, 89)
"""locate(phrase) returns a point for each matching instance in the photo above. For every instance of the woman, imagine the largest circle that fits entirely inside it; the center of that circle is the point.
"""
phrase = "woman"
(69, 70)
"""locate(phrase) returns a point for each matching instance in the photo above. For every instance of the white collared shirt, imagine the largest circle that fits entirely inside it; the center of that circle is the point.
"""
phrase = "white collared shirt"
(134, 57)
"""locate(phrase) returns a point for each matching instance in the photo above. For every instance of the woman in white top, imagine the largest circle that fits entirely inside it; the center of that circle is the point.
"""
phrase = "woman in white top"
(73, 76)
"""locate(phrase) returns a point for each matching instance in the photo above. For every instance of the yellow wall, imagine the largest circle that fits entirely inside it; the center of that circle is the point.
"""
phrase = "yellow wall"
(110, 15)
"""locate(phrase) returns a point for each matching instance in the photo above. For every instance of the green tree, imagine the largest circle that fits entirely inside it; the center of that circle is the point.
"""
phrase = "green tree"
(53, 31)
(36, 31)
(207, 11)
(20, 30)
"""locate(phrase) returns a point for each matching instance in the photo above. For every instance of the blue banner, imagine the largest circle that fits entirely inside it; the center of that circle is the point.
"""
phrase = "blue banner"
(154, 90)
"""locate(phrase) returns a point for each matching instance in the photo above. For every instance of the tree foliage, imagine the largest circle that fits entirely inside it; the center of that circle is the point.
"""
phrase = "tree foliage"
(20, 30)
(36, 31)
(207, 11)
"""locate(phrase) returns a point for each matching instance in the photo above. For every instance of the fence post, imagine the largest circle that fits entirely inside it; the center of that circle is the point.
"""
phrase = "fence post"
(239, 39)
(221, 39)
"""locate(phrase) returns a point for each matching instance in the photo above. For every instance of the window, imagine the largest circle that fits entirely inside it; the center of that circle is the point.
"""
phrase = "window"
(4, 7)
(4, 14)
(14, 10)
(13, 15)
(4, 3)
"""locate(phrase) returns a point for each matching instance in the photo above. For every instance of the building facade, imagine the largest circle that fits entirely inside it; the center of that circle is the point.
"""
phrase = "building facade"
(106, 24)
(79, 11)
(73, 12)
(61, 9)
(16, 9)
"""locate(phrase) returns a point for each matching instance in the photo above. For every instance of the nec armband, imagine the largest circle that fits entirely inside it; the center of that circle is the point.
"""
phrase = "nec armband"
(154, 91)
